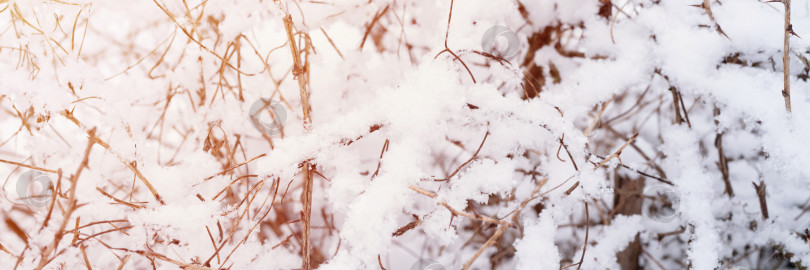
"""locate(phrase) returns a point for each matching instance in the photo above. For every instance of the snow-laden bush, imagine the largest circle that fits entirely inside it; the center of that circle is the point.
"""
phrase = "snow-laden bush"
(498, 134)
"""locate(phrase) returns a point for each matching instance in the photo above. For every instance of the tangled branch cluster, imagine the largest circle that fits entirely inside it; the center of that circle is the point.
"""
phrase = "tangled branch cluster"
(503, 134)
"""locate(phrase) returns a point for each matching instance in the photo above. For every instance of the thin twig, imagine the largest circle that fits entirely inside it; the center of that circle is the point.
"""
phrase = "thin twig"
(618, 153)
(661, 179)
(27, 166)
(786, 55)
(562, 144)
(481, 250)
(763, 203)
(447, 48)
(722, 162)
(379, 260)
(301, 73)
(460, 213)
(587, 228)
(134, 206)
(332, 42)
(74, 179)
(379, 163)
(376, 18)
(474, 156)
(235, 166)
(131, 165)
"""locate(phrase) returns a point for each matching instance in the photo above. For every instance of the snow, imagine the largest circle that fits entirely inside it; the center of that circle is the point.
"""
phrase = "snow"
(391, 123)
(536, 250)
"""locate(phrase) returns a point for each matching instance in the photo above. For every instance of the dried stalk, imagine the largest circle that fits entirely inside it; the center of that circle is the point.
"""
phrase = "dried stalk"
(722, 162)
(786, 55)
(489, 242)
(460, 213)
(129, 164)
(301, 74)
(618, 153)
(474, 157)
(761, 194)
(45, 256)
(587, 229)
(27, 166)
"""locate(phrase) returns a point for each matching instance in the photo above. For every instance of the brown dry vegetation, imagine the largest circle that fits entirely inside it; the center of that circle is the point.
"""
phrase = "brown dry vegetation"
(283, 209)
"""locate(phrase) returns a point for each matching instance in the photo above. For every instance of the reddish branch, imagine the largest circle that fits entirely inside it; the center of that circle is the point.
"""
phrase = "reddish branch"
(474, 156)
(447, 48)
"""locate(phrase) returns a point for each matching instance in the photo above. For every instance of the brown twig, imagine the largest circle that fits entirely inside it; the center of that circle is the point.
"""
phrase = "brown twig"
(153, 256)
(255, 187)
(706, 5)
(27, 166)
(618, 152)
(786, 55)
(332, 42)
(74, 179)
(235, 166)
(661, 179)
(489, 242)
(379, 163)
(379, 260)
(232, 182)
(210, 236)
(190, 37)
(587, 228)
(562, 144)
(52, 203)
(474, 156)
(134, 206)
(460, 213)
(416, 221)
(302, 77)
(598, 118)
(14, 227)
(86, 260)
(79, 242)
(763, 203)
(585, 246)
(722, 162)
(131, 165)
(447, 48)
(377, 17)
